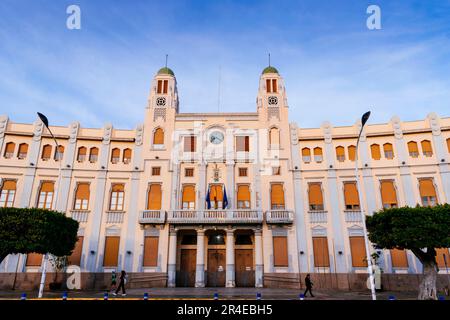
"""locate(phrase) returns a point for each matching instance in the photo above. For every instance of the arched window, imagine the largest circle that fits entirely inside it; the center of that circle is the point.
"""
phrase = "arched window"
(315, 196)
(158, 138)
(243, 197)
(426, 148)
(115, 155)
(388, 151)
(93, 155)
(274, 138)
(81, 154)
(8, 193)
(23, 151)
(46, 152)
(318, 155)
(413, 149)
(45, 199)
(375, 151)
(188, 199)
(340, 154)
(154, 197)
(306, 155)
(351, 153)
(59, 152)
(117, 197)
(277, 196)
(9, 150)
(82, 197)
(388, 194)
(127, 156)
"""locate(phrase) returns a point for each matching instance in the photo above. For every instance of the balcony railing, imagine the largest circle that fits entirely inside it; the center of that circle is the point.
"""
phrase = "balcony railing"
(152, 216)
(79, 215)
(279, 216)
(114, 216)
(318, 216)
(215, 216)
(352, 215)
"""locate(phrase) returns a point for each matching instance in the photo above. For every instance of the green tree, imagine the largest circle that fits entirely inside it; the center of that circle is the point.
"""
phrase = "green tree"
(27, 230)
(419, 229)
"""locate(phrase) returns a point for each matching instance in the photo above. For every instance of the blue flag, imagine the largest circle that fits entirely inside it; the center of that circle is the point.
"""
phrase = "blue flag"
(225, 199)
(208, 200)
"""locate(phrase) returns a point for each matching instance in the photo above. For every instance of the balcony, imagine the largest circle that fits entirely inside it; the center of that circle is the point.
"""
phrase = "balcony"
(352, 215)
(152, 217)
(79, 215)
(114, 216)
(214, 216)
(318, 216)
(279, 216)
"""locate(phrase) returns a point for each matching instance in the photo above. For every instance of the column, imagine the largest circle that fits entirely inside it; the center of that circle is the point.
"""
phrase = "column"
(201, 205)
(172, 263)
(230, 185)
(230, 276)
(259, 267)
(200, 267)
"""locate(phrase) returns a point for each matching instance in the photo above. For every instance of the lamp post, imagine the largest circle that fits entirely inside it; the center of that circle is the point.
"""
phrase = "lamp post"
(44, 264)
(364, 119)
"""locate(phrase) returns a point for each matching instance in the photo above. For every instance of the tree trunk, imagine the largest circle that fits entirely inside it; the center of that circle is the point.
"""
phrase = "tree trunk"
(427, 288)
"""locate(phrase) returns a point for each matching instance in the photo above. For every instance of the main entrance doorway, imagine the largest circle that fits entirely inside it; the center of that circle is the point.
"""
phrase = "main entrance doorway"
(216, 268)
(186, 275)
(244, 275)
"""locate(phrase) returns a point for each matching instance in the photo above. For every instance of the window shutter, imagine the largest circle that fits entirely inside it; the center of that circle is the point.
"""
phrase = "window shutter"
(154, 197)
(306, 152)
(440, 252)
(358, 251)
(81, 151)
(352, 153)
(34, 260)
(127, 154)
(280, 252)
(150, 251)
(426, 147)
(375, 150)
(111, 254)
(243, 193)
(46, 151)
(115, 154)
(118, 187)
(448, 144)
(23, 148)
(216, 192)
(351, 193)
(426, 188)
(189, 144)
(388, 194)
(318, 151)
(388, 150)
(75, 257)
(412, 147)
(47, 187)
(9, 185)
(158, 136)
(82, 191)
(315, 194)
(10, 147)
(320, 248)
(340, 153)
(188, 194)
(277, 195)
(399, 258)
(247, 143)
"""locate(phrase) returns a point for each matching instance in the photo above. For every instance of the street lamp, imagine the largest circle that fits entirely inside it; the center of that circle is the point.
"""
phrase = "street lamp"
(44, 267)
(364, 119)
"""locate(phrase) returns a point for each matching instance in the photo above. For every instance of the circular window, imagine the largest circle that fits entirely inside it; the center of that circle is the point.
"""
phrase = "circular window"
(161, 101)
(273, 100)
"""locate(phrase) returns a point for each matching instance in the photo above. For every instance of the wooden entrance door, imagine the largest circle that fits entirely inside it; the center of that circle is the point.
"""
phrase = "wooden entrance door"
(186, 275)
(245, 274)
(216, 268)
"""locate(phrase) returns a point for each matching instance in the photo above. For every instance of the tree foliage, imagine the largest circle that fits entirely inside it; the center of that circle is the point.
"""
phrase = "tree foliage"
(27, 230)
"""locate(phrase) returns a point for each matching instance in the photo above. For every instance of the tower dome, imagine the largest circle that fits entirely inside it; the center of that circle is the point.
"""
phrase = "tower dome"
(166, 70)
(270, 69)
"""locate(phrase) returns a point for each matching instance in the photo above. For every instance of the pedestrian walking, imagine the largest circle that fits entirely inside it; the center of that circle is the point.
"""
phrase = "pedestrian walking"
(122, 281)
(113, 281)
(309, 285)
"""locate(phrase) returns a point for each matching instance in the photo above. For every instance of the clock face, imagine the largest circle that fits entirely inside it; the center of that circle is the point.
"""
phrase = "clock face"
(216, 137)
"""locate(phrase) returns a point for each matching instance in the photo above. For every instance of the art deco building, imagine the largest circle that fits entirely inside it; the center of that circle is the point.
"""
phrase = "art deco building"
(224, 199)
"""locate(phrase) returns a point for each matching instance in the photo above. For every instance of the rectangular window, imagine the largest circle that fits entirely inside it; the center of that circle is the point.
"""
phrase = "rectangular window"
(388, 194)
(358, 251)
(188, 199)
(45, 199)
(242, 172)
(351, 196)
(320, 248)
(427, 192)
(276, 171)
(111, 251)
(117, 195)
(268, 86)
(151, 251)
(243, 197)
(75, 257)
(315, 196)
(156, 171)
(274, 86)
(189, 172)
(8, 193)
(166, 85)
(82, 197)
(242, 144)
(277, 196)
(34, 260)
(189, 144)
(154, 197)
(280, 252)
(399, 258)
(159, 89)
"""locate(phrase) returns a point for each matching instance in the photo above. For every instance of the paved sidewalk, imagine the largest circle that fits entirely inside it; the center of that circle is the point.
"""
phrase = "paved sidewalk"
(224, 293)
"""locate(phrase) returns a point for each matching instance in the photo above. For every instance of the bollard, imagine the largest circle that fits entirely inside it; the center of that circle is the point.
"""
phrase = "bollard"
(301, 296)
(216, 296)
(441, 298)
(64, 296)
(258, 296)
(391, 298)
(145, 296)
(105, 296)
(23, 296)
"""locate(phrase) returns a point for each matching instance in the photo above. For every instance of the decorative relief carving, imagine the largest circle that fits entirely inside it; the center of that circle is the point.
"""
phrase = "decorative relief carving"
(74, 126)
(273, 112)
(397, 126)
(38, 129)
(107, 133)
(294, 133)
(326, 126)
(434, 124)
(3, 124)
(159, 113)
(139, 134)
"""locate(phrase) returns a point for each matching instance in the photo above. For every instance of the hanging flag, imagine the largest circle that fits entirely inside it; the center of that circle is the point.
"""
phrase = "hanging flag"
(208, 200)
(225, 199)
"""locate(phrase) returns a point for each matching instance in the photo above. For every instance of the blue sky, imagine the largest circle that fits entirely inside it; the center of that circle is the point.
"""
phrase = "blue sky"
(334, 67)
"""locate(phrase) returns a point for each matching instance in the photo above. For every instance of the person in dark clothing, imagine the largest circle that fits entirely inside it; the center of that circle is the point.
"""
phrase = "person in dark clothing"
(122, 280)
(309, 285)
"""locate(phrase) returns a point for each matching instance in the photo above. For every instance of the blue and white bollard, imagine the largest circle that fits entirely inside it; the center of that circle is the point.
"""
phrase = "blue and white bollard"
(23, 296)
(216, 296)
(441, 298)
(301, 296)
(258, 296)
(105, 296)
(391, 298)
(145, 296)
(64, 296)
